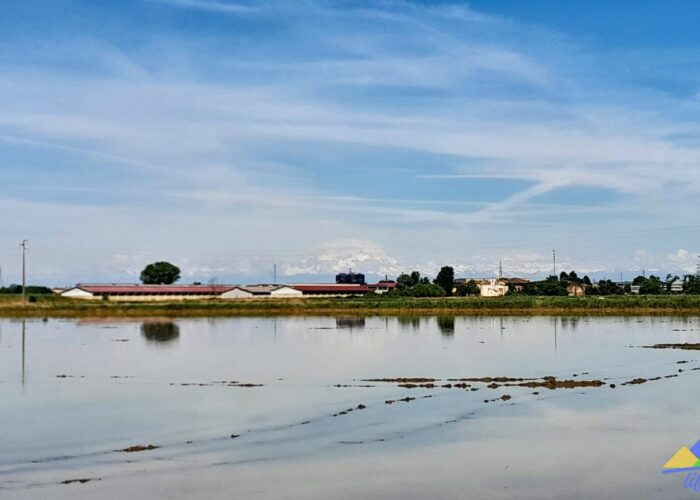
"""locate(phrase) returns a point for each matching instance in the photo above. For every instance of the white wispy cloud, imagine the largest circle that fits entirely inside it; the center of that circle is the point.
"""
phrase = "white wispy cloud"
(200, 129)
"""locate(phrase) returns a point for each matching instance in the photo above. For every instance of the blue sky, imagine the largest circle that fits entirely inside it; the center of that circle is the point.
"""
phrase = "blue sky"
(227, 136)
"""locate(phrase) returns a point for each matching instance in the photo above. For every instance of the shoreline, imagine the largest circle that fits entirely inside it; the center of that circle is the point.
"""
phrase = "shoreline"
(52, 307)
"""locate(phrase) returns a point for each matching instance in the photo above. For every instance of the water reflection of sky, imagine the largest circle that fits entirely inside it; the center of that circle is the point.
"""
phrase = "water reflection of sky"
(95, 386)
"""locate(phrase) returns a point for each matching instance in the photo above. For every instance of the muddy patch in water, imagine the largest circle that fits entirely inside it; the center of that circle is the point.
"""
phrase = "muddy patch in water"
(137, 448)
(685, 347)
(80, 481)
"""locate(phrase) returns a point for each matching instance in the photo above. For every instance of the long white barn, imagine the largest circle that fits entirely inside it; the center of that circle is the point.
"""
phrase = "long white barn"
(178, 292)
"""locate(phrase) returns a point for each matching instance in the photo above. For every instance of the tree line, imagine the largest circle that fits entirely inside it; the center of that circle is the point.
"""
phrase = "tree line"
(414, 285)
(17, 289)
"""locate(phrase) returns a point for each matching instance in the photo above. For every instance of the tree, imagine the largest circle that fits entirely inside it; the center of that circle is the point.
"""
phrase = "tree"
(472, 288)
(160, 273)
(403, 281)
(587, 280)
(605, 287)
(446, 279)
(554, 287)
(426, 290)
(563, 276)
(691, 284)
(551, 286)
(652, 286)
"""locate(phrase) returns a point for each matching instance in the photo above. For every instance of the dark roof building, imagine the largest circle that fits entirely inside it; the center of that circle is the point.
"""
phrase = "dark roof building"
(350, 278)
(114, 290)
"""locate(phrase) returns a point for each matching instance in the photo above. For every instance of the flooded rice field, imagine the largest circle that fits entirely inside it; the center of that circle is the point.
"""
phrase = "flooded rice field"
(415, 407)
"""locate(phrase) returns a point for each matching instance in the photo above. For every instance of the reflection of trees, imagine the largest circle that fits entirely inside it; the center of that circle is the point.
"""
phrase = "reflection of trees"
(351, 323)
(446, 324)
(412, 321)
(570, 322)
(160, 333)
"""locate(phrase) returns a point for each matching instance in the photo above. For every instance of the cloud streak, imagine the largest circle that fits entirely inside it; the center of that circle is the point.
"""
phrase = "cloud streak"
(257, 119)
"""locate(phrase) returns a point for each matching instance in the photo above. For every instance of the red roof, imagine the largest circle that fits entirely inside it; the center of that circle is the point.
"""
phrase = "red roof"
(156, 289)
(331, 288)
(384, 284)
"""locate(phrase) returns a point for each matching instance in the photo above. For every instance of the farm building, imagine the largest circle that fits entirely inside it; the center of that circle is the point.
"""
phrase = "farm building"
(262, 291)
(492, 288)
(178, 292)
(576, 290)
(330, 289)
(515, 284)
(350, 278)
(383, 286)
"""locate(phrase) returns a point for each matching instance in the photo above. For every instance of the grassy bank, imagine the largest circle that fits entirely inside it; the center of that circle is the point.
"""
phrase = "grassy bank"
(52, 306)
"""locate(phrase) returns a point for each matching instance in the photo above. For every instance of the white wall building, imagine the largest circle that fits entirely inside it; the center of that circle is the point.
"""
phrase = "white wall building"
(492, 288)
(142, 293)
(262, 291)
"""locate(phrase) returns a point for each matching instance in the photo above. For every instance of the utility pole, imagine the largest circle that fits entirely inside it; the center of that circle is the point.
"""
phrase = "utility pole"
(274, 274)
(24, 246)
(697, 268)
(554, 262)
(24, 331)
(500, 269)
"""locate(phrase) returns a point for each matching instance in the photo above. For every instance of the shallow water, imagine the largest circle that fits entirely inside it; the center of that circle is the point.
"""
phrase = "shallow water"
(74, 392)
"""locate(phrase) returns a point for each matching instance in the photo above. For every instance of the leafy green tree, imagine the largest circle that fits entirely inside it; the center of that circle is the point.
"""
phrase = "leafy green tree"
(17, 289)
(403, 281)
(446, 279)
(563, 276)
(410, 280)
(426, 290)
(424, 281)
(670, 278)
(160, 273)
(551, 286)
(472, 288)
(639, 280)
(691, 284)
(554, 287)
(652, 286)
(587, 281)
(605, 287)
